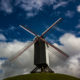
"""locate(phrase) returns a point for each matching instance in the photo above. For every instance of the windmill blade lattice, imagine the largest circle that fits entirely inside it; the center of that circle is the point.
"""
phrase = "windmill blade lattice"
(60, 51)
(51, 26)
(56, 53)
(46, 41)
(20, 52)
(40, 59)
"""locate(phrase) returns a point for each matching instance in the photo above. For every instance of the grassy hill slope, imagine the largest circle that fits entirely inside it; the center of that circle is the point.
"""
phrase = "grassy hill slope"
(43, 76)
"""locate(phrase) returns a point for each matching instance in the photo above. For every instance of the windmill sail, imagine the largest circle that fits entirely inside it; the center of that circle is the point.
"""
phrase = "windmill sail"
(20, 52)
(56, 53)
(41, 59)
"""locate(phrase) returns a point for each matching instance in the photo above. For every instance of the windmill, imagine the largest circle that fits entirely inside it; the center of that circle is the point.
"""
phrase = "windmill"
(40, 58)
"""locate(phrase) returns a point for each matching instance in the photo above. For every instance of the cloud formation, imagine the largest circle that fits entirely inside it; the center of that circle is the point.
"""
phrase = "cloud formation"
(9, 50)
(69, 14)
(70, 44)
(78, 25)
(2, 37)
(60, 4)
(78, 8)
(5, 5)
(31, 7)
(24, 64)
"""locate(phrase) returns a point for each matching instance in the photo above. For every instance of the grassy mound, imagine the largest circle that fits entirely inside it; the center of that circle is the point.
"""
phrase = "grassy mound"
(43, 76)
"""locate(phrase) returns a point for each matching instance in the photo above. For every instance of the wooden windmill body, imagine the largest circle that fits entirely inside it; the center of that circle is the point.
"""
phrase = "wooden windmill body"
(41, 57)
(39, 53)
(41, 60)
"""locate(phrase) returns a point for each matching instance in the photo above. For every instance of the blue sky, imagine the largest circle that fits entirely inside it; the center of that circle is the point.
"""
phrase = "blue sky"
(38, 15)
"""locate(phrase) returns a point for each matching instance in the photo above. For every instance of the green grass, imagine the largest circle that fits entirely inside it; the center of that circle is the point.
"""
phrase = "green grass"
(43, 76)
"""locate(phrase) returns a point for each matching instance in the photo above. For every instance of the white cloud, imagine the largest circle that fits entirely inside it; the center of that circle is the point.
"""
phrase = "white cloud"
(71, 67)
(60, 4)
(69, 14)
(31, 7)
(78, 26)
(78, 8)
(24, 64)
(2, 37)
(60, 30)
(70, 45)
(6, 6)
(31, 14)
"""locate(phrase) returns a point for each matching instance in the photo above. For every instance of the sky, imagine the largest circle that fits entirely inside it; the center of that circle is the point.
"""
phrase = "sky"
(38, 15)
